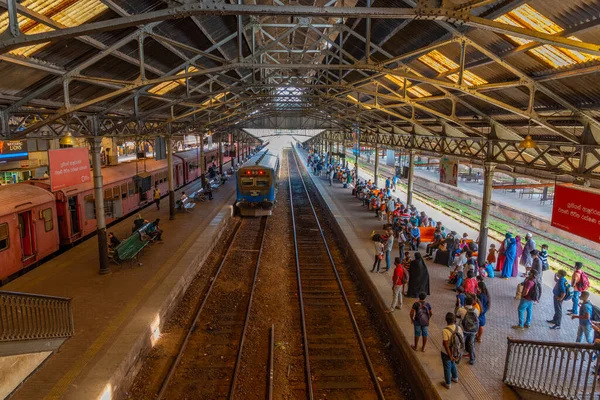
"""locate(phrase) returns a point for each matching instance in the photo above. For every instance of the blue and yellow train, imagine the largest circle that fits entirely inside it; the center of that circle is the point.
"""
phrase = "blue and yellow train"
(256, 184)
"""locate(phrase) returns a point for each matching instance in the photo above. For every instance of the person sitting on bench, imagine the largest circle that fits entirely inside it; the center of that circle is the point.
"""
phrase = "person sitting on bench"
(113, 241)
(138, 222)
(153, 231)
(183, 198)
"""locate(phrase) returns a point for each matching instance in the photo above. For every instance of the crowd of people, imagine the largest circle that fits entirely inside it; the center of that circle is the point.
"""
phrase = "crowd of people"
(466, 323)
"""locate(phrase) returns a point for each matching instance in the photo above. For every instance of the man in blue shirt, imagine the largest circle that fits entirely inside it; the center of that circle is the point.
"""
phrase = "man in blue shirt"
(585, 317)
(559, 292)
(394, 182)
(388, 183)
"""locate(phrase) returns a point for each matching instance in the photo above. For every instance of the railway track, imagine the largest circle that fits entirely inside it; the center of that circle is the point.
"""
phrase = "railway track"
(207, 361)
(336, 359)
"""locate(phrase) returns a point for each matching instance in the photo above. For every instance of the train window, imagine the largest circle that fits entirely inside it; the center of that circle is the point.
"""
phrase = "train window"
(262, 182)
(131, 189)
(47, 217)
(4, 240)
(108, 193)
(247, 181)
(89, 207)
(116, 193)
(124, 191)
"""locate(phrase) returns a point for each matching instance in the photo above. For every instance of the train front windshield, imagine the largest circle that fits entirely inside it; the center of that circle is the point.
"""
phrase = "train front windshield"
(255, 178)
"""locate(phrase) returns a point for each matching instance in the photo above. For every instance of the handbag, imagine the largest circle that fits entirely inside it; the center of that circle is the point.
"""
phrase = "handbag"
(519, 291)
(380, 256)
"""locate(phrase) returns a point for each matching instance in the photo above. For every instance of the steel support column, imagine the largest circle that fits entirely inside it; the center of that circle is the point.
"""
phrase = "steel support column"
(220, 153)
(202, 161)
(169, 142)
(411, 176)
(488, 178)
(96, 147)
(376, 170)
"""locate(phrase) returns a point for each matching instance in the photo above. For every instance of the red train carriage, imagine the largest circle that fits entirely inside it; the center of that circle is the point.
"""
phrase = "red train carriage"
(191, 164)
(28, 227)
(126, 189)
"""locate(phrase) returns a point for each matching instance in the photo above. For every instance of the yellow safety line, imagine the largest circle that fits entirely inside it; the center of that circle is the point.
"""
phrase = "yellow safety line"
(61, 386)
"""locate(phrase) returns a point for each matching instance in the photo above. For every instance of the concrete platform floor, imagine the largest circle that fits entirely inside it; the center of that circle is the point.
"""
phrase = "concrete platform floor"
(484, 379)
(111, 311)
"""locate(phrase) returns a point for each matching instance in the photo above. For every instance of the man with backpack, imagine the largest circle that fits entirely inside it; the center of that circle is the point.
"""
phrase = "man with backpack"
(419, 316)
(562, 291)
(399, 279)
(469, 322)
(532, 290)
(452, 350)
(580, 283)
(585, 319)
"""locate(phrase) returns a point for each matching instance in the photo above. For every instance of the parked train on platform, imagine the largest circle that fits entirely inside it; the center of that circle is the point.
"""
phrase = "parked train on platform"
(256, 184)
(36, 222)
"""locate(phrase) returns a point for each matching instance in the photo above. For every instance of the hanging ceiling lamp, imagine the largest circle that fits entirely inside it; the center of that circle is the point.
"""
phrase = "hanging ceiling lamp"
(67, 140)
(528, 142)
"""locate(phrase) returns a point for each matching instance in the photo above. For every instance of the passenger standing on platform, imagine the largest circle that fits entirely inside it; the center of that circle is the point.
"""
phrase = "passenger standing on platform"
(469, 317)
(156, 196)
(559, 292)
(585, 319)
(378, 252)
(492, 254)
(544, 257)
(526, 258)
(510, 254)
(331, 174)
(394, 182)
(420, 314)
(483, 296)
(536, 265)
(399, 278)
(419, 277)
(209, 191)
(515, 268)
(389, 245)
(580, 282)
(453, 344)
(528, 296)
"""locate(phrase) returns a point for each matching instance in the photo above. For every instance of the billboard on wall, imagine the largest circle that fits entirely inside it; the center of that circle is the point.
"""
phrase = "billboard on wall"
(13, 150)
(577, 211)
(449, 171)
(68, 167)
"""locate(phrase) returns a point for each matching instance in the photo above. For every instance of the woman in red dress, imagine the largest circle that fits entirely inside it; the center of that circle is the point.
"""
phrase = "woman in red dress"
(501, 257)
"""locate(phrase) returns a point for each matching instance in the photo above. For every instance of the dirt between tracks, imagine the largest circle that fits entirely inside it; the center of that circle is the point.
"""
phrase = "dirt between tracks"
(157, 362)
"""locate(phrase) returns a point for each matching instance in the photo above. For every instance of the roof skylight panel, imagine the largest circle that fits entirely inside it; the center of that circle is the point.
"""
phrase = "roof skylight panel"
(442, 64)
(69, 13)
(414, 90)
(526, 16)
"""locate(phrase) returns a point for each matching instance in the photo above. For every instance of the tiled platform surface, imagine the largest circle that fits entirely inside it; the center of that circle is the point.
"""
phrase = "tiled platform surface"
(486, 375)
(112, 311)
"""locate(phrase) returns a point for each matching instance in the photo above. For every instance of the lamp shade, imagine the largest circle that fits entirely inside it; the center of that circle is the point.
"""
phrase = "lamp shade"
(527, 143)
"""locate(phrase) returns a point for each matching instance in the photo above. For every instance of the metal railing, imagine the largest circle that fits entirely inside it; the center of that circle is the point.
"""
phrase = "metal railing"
(25, 316)
(559, 370)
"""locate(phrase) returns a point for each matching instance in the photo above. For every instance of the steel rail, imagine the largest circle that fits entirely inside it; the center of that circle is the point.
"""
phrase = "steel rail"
(300, 297)
(236, 368)
(359, 337)
(270, 365)
(192, 328)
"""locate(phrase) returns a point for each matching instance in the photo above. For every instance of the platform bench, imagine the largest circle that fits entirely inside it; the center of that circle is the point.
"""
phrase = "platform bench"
(427, 234)
(130, 248)
(184, 205)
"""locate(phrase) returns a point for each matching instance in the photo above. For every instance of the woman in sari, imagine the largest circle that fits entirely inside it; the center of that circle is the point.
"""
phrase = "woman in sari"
(501, 257)
(510, 253)
(519, 246)
(419, 277)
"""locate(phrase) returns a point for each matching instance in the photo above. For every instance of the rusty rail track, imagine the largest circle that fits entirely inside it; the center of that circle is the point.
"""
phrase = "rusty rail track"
(337, 362)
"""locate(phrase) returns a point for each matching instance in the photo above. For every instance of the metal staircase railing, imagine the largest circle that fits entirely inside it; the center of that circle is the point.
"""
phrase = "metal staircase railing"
(25, 317)
(555, 369)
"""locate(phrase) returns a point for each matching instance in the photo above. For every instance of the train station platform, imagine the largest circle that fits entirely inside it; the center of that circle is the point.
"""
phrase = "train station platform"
(484, 379)
(117, 315)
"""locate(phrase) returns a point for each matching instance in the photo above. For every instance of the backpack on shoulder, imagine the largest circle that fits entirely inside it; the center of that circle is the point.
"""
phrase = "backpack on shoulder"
(568, 292)
(536, 291)
(422, 316)
(456, 344)
(583, 283)
(470, 322)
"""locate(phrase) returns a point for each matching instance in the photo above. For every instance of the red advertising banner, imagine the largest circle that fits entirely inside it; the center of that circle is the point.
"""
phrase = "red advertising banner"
(577, 211)
(68, 167)
(449, 171)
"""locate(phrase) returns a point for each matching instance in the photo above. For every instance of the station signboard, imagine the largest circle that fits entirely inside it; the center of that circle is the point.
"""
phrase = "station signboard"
(577, 211)
(13, 150)
(68, 167)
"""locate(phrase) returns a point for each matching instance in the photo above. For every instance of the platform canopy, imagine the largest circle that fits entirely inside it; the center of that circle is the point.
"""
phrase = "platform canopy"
(468, 78)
